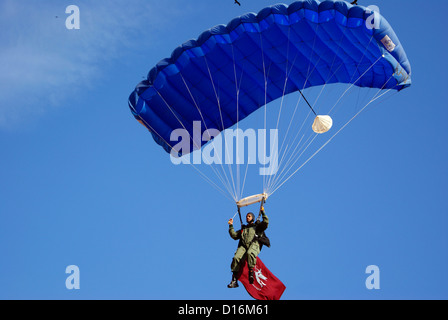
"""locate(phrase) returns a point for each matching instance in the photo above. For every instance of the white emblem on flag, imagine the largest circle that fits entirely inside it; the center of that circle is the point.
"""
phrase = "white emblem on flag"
(260, 277)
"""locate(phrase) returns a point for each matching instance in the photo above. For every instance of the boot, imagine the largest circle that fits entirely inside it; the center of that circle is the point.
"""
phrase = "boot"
(251, 275)
(234, 282)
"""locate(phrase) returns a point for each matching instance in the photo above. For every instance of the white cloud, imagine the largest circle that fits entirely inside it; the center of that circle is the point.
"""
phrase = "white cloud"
(40, 58)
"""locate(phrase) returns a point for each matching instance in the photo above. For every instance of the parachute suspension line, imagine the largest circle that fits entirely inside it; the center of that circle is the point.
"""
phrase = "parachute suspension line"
(248, 159)
(245, 175)
(352, 84)
(341, 65)
(298, 146)
(235, 178)
(299, 143)
(376, 97)
(265, 102)
(265, 74)
(273, 176)
(194, 142)
(288, 167)
(279, 175)
(222, 125)
(331, 68)
(237, 89)
(310, 71)
(212, 183)
(240, 188)
(225, 183)
(283, 172)
(207, 179)
(280, 165)
(362, 58)
(287, 72)
(287, 133)
(218, 175)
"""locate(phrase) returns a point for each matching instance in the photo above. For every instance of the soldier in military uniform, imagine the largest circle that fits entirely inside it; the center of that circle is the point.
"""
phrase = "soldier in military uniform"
(249, 244)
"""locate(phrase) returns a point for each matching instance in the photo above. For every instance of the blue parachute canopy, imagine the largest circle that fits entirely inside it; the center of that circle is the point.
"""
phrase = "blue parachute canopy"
(232, 70)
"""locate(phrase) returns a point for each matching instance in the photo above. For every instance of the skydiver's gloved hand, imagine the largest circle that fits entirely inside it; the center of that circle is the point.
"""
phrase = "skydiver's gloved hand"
(262, 209)
(230, 222)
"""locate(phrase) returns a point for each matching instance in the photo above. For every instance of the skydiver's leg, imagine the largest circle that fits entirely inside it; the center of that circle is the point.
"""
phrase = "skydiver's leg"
(239, 254)
(235, 266)
(252, 254)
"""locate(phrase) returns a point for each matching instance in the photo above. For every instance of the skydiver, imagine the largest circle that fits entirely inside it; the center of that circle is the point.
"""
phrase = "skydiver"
(236, 2)
(250, 242)
(355, 2)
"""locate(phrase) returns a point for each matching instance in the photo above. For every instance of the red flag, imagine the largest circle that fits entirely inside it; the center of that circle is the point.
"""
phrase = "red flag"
(266, 286)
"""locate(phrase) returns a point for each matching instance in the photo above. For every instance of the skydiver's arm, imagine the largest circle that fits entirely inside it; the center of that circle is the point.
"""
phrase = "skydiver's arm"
(264, 224)
(235, 235)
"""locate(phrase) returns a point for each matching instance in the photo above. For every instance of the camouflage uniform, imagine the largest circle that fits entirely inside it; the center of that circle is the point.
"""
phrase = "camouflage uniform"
(247, 245)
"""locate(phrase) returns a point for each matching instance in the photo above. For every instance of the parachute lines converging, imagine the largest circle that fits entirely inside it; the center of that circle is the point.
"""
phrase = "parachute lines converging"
(247, 72)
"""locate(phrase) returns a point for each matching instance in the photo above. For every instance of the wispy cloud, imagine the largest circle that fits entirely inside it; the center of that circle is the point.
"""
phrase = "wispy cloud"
(41, 61)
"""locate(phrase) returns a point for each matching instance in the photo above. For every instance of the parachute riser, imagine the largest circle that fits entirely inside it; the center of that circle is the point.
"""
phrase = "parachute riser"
(239, 214)
(261, 206)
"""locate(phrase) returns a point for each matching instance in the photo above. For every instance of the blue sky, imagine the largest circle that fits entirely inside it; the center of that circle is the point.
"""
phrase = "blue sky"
(82, 183)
